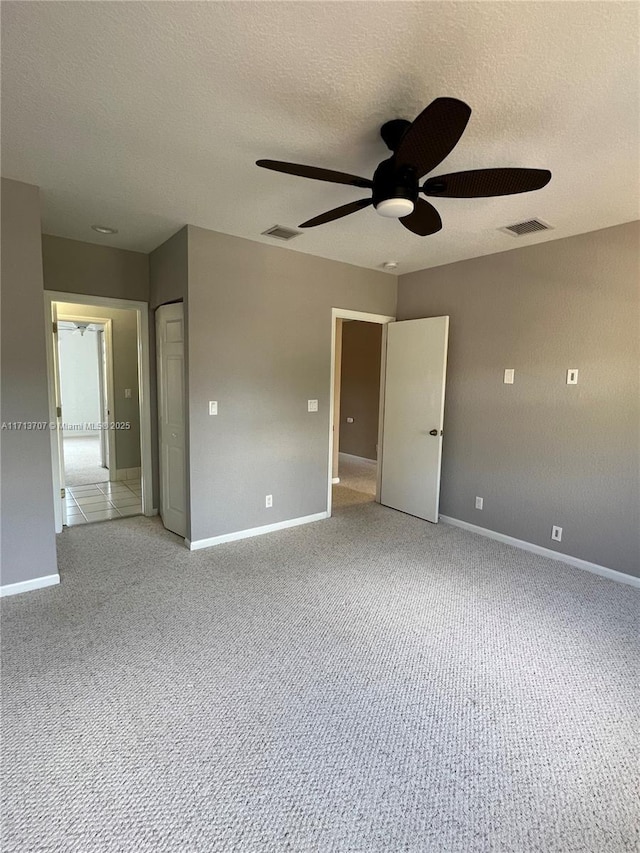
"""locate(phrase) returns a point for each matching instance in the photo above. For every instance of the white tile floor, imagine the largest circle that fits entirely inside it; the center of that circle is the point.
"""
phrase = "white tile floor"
(102, 501)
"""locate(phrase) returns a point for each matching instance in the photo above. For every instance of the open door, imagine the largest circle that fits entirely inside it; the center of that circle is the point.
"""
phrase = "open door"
(58, 412)
(171, 414)
(416, 364)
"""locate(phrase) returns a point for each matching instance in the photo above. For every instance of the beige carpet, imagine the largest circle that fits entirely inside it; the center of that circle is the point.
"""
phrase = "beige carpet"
(82, 461)
(366, 684)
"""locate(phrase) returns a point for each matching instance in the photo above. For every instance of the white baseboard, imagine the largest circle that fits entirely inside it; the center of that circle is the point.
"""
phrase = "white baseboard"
(254, 531)
(605, 572)
(127, 474)
(27, 586)
(335, 481)
(358, 458)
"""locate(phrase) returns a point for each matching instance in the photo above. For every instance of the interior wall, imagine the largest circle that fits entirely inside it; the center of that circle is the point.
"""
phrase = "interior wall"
(360, 388)
(260, 329)
(28, 547)
(79, 381)
(125, 375)
(541, 452)
(71, 266)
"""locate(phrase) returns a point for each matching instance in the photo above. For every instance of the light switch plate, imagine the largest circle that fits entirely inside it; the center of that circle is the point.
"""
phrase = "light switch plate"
(213, 407)
(312, 405)
(572, 376)
(509, 374)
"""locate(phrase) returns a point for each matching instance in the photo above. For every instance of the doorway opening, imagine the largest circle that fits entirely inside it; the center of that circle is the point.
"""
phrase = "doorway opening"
(99, 398)
(408, 457)
(86, 386)
(358, 344)
(356, 412)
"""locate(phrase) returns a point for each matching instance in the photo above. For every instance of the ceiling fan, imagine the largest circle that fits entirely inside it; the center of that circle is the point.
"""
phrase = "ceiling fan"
(418, 147)
(75, 326)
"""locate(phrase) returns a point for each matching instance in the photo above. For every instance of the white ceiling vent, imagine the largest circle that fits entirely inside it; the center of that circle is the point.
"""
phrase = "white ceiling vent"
(281, 233)
(528, 227)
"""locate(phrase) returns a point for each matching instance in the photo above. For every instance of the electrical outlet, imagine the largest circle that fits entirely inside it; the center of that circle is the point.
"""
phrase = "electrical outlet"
(479, 503)
(556, 533)
(268, 501)
(349, 420)
(572, 376)
(509, 375)
(213, 407)
(127, 393)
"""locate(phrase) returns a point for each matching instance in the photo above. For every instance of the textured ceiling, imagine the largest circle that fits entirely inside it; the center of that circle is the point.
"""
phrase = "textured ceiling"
(147, 116)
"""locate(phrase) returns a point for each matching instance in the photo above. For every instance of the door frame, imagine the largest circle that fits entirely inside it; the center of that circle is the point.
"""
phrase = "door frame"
(144, 390)
(109, 392)
(105, 456)
(363, 316)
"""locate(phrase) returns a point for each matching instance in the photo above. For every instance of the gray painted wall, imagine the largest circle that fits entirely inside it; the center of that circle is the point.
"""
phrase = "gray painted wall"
(125, 375)
(28, 548)
(71, 266)
(168, 282)
(541, 452)
(360, 388)
(260, 344)
(169, 270)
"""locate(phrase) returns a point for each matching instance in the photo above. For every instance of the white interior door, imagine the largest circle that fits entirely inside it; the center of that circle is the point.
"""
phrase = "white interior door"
(58, 412)
(416, 365)
(171, 413)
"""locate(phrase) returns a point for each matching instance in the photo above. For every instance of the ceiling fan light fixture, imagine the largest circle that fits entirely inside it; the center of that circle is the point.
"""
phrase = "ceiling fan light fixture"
(395, 208)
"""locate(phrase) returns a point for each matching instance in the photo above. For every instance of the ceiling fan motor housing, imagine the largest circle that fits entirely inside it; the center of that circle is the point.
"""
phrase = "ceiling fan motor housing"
(391, 182)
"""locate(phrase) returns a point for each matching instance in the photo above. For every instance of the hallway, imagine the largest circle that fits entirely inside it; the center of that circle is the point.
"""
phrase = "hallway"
(357, 482)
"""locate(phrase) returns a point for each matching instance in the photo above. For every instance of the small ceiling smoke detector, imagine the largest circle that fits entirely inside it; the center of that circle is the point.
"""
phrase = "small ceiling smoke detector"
(528, 227)
(104, 229)
(390, 266)
(280, 232)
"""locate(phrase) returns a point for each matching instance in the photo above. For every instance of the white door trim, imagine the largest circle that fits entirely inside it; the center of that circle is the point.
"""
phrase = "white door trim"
(144, 388)
(348, 314)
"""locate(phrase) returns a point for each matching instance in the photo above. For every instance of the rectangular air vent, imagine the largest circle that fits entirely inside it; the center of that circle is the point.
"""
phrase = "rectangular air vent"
(528, 227)
(281, 233)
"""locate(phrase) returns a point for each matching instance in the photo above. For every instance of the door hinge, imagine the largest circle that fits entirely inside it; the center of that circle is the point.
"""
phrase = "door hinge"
(59, 411)
(62, 493)
(55, 327)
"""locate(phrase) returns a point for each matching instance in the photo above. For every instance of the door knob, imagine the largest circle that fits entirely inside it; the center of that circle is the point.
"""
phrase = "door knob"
(434, 432)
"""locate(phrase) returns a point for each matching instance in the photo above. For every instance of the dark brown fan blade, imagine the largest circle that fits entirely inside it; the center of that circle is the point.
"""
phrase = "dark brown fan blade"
(337, 212)
(433, 135)
(481, 183)
(315, 173)
(424, 220)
